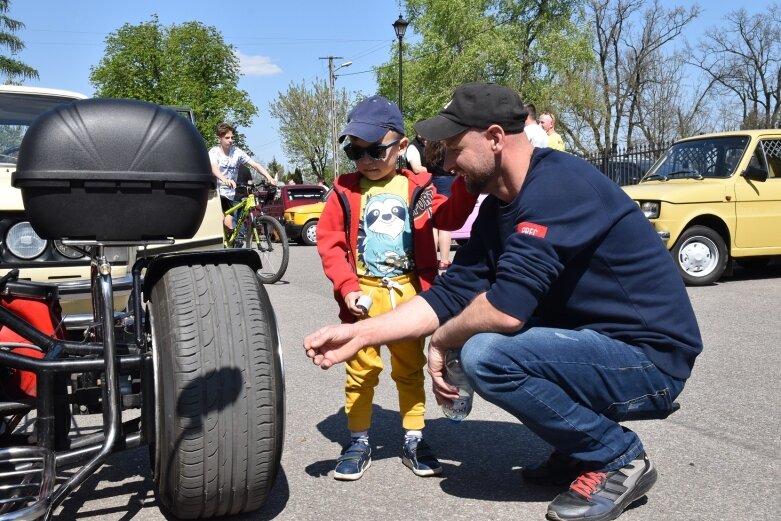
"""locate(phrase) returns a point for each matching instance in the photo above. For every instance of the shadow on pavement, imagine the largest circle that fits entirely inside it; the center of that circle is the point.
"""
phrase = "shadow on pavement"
(481, 459)
(141, 494)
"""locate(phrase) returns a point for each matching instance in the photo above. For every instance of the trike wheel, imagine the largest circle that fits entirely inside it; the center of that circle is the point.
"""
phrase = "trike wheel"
(269, 238)
(219, 400)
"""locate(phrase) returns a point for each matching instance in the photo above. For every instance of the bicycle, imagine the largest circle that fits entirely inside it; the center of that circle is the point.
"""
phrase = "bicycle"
(253, 226)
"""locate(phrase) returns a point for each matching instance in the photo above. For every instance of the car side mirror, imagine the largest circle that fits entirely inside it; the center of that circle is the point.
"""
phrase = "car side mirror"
(755, 173)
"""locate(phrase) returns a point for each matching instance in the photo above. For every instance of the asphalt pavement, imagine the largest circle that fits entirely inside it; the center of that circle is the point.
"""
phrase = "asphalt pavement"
(718, 457)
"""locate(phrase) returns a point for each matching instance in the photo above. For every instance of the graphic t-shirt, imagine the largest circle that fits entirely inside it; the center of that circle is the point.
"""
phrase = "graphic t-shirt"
(229, 166)
(384, 230)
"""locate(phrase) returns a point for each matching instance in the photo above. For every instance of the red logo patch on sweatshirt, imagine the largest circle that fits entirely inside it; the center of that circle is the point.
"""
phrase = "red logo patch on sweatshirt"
(535, 230)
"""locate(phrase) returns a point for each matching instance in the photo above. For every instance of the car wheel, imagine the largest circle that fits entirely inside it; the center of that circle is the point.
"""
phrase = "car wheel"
(219, 391)
(701, 256)
(309, 233)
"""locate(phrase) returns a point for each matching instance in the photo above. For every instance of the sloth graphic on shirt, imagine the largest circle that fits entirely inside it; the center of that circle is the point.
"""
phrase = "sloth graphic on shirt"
(385, 236)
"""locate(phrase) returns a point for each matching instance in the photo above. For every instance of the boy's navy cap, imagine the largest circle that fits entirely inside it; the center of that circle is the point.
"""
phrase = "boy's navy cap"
(476, 105)
(372, 118)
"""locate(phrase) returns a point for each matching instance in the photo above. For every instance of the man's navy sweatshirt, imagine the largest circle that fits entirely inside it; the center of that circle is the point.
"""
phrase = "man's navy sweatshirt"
(573, 251)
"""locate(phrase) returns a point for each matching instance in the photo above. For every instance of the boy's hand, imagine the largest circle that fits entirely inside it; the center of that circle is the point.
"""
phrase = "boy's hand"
(351, 300)
(331, 345)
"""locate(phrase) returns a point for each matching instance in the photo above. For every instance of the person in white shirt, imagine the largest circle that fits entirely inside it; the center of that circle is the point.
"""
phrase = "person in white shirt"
(537, 136)
(226, 159)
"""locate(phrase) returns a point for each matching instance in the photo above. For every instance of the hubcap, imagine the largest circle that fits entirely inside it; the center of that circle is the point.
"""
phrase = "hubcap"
(698, 256)
(311, 233)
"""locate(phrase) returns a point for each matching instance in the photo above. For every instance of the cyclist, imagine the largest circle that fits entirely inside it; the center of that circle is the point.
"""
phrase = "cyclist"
(226, 159)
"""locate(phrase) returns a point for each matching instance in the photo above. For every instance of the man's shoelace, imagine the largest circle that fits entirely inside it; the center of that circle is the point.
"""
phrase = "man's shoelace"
(587, 483)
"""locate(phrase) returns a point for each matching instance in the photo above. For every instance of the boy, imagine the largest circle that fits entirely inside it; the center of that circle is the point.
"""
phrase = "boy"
(226, 159)
(365, 239)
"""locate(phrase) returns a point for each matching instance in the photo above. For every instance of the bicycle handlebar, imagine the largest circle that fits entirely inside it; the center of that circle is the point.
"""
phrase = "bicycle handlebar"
(264, 190)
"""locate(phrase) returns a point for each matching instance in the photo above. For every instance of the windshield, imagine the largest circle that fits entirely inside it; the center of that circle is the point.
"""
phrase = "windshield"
(705, 158)
(17, 112)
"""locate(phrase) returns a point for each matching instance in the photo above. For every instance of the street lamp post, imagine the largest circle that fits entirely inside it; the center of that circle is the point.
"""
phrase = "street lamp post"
(332, 104)
(400, 26)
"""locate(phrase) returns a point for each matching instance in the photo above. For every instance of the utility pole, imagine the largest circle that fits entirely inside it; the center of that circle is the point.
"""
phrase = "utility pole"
(332, 105)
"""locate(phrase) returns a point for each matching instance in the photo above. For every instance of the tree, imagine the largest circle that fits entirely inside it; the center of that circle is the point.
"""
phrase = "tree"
(11, 67)
(298, 176)
(628, 44)
(305, 124)
(522, 44)
(671, 108)
(743, 58)
(276, 170)
(188, 64)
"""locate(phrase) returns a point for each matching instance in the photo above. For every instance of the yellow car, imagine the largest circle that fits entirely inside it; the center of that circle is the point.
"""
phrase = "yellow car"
(300, 222)
(714, 198)
(51, 261)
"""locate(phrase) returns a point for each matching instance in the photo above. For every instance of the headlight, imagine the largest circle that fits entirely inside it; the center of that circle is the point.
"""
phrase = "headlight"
(68, 251)
(650, 209)
(22, 241)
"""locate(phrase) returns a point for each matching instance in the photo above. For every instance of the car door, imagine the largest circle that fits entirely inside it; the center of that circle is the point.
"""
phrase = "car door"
(758, 207)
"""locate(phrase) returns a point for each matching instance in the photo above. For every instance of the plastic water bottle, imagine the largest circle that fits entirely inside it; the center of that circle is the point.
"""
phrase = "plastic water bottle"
(455, 376)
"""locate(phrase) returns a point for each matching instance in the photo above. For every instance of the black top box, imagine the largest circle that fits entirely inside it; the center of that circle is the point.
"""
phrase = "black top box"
(113, 170)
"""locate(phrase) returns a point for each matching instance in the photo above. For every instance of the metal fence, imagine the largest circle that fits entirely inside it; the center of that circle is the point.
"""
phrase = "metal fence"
(625, 166)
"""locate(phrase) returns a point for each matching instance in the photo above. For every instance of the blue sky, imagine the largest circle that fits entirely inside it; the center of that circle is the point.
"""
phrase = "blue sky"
(279, 42)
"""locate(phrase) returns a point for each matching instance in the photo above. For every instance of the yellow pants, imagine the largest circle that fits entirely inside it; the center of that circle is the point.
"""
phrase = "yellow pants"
(407, 361)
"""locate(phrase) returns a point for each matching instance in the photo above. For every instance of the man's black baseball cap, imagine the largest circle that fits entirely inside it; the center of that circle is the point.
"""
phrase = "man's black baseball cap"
(476, 105)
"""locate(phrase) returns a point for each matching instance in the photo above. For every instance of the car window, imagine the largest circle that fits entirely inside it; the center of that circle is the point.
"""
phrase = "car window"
(306, 194)
(17, 112)
(772, 150)
(715, 157)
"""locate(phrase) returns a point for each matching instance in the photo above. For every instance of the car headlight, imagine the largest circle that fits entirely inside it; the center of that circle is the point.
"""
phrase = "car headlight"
(22, 241)
(650, 209)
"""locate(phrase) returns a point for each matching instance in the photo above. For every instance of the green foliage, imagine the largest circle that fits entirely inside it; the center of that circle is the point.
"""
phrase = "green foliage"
(298, 177)
(188, 64)
(276, 169)
(10, 67)
(305, 125)
(523, 44)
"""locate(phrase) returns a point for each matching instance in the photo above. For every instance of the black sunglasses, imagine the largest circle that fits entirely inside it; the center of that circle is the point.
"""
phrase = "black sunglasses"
(376, 151)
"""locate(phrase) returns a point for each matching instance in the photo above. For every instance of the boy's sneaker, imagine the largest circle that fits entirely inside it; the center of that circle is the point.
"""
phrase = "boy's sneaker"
(418, 456)
(602, 496)
(353, 462)
(558, 470)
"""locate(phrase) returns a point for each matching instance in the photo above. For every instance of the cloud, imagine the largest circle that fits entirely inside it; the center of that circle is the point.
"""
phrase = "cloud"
(257, 65)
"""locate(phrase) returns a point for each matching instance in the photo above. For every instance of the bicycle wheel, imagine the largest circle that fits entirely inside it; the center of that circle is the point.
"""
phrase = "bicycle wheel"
(268, 236)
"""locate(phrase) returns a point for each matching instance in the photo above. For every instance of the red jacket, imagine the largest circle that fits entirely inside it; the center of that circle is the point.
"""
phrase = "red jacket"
(337, 229)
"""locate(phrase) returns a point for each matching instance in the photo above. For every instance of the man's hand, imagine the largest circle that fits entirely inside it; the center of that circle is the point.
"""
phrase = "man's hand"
(443, 392)
(331, 345)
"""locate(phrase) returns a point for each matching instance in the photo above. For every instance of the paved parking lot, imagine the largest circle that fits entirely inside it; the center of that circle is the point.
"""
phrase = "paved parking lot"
(718, 457)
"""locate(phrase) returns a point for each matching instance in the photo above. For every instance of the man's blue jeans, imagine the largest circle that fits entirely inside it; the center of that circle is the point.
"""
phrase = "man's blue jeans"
(571, 388)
